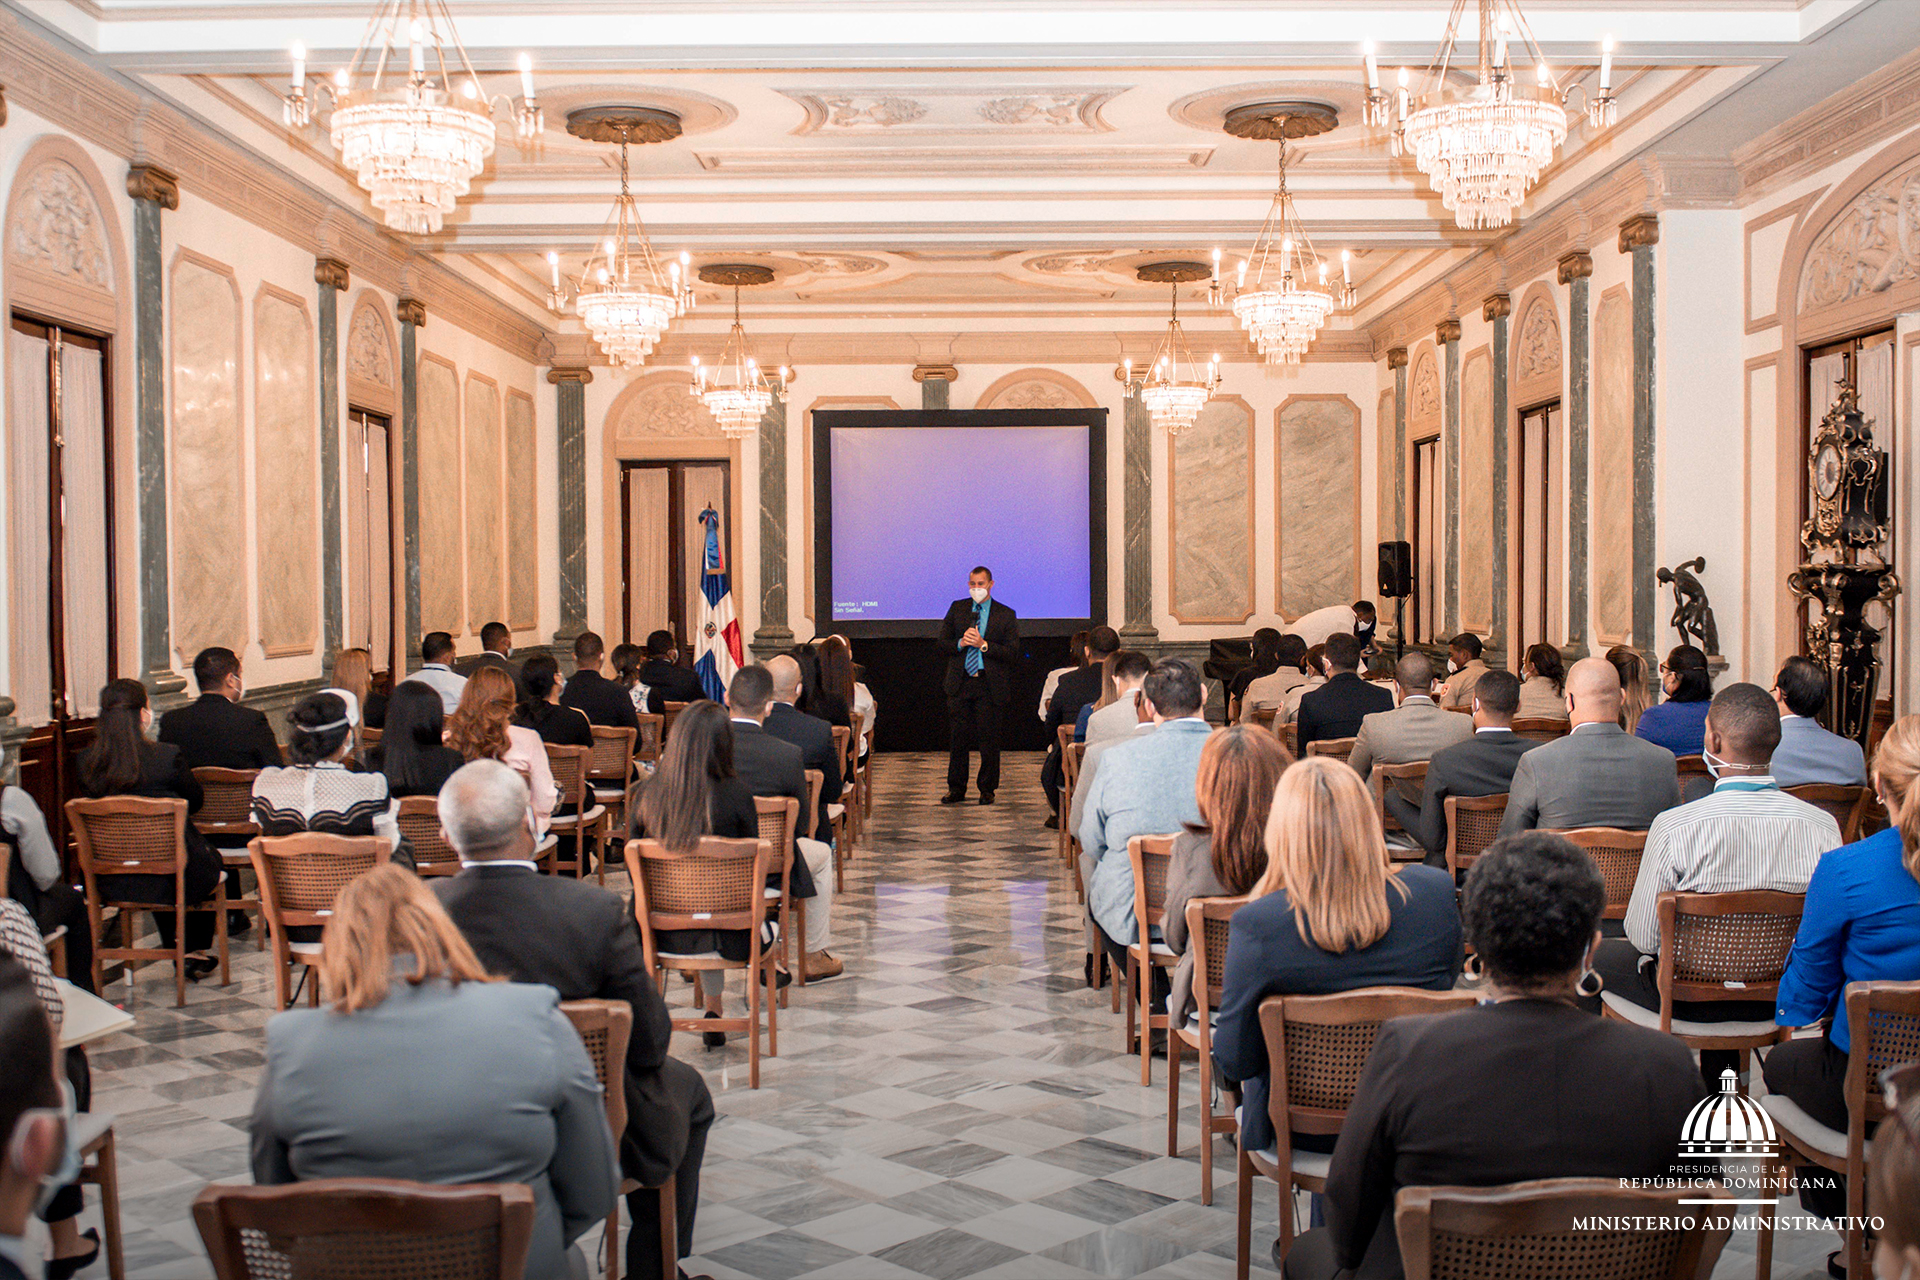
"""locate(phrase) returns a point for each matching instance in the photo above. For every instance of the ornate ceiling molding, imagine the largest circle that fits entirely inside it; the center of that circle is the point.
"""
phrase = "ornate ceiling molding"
(953, 109)
(1874, 109)
(774, 162)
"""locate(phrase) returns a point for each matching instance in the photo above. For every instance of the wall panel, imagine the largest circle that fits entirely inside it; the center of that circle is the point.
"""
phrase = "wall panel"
(286, 466)
(523, 515)
(1317, 456)
(206, 476)
(1210, 492)
(1476, 492)
(485, 505)
(442, 542)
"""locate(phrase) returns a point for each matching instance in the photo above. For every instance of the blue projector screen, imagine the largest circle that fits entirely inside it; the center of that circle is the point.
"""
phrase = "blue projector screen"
(914, 508)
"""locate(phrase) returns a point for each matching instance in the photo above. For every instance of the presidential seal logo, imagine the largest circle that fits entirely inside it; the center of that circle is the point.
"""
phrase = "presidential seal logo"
(1729, 1124)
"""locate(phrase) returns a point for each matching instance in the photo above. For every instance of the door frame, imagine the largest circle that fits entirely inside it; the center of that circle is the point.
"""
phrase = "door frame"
(677, 514)
(1551, 408)
(396, 607)
(1420, 619)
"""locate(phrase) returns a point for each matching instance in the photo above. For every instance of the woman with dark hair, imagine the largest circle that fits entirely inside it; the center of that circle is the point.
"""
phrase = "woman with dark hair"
(1579, 1096)
(121, 762)
(1633, 686)
(1543, 685)
(410, 752)
(316, 791)
(625, 661)
(817, 696)
(1076, 656)
(1266, 661)
(541, 712)
(1680, 723)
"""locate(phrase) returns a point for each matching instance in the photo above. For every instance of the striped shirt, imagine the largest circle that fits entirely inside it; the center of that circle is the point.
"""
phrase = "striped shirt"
(1747, 835)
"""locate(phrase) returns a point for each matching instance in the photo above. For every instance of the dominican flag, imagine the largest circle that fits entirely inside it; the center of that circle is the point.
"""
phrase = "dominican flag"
(718, 645)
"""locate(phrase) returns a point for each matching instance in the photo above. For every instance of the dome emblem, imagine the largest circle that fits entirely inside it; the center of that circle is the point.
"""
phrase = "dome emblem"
(1728, 1124)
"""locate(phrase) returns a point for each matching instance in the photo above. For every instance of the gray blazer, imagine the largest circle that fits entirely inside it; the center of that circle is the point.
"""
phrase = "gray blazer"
(1189, 875)
(1412, 731)
(1597, 776)
(1808, 753)
(485, 1082)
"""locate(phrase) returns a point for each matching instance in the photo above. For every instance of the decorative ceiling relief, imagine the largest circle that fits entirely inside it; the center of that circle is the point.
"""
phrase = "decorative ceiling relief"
(952, 109)
(1058, 109)
(1071, 264)
(842, 264)
(1870, 248)
(56, 227)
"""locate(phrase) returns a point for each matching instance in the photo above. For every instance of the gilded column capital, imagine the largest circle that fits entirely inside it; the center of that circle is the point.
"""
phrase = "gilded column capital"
(1496, 305)
(1396, 357)
(582, 376)
(935, 373)
(146, 182)
(410, 311)
(332, 274)
(1446, 331)
(1575, 266)
(1640, 230)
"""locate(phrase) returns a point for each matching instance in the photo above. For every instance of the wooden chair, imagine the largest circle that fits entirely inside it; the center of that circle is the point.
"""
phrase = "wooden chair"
(1846, 804)
(419, 821)
(1291, 736)
(719, 885)
(1339, 748)
(816, 783)
(856, 819)
(777, 817)
(1691, 770)
(130, 836)
(367, 739)
(652, 735)
(841, 822)
(1316, 1047)
(611, 776)
(1533, 1229)
(1207, 928)
(226, 816)
(605, 1027)
(672, 710)
(587, 824)
(1542, 728)
(100, 1167)
(300, 875)
(1069, 778)
(1883, 1029)
(1410, 780)
(1473, 823)
(366, 1229)
(1616, 852)
(1150, 856)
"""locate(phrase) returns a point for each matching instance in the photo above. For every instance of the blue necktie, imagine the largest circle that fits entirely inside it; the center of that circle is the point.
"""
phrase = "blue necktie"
(976, 659)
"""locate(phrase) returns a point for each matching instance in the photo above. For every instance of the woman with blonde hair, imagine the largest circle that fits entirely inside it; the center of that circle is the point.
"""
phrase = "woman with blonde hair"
(1633, 683)
(1329, 914)
(497, 1086)
(481, 728)
(353, 673)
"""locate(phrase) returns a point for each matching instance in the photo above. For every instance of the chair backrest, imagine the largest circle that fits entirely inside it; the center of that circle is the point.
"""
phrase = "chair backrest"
(129, 835)
(1473, 823)
(653, 732)
(605, 1027)
(1542, 728)
(859, 719)
(816, 782)
(1264, 717)
(778, 814)
(1291, 736)
(1317, 1046)
(1408, 779)
(419, 821)
(1151, 857)
(1724, 946)
(300, 875)
(569, 766)
(611, 757)
(1209, 922)
(369, 738)
(1069, 763)
(366, 1229)
(843, 743)
(1339, 748)
(227, 807)
(1536, 1229)
(1616, 851)
(673, 710)
(1846, 804)
(1694, 766)
(1883, 1026)
(715, 886)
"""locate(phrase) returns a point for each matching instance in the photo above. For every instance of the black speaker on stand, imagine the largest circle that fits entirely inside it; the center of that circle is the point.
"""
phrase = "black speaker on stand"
(1396, 584)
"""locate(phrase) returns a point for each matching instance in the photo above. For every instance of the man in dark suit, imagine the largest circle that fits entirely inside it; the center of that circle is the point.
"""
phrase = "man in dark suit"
(1598, 775)
(1336, 708)
(1483, 765)
(666, 680)
(580, 940)
(1076, 689)
(982, 638)
(496, 644)
(215, 731)
(811, 734)
(599, 699)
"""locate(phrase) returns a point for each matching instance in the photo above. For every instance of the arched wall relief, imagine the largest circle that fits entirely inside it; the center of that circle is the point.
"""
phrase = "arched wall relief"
(1036, 389)
(1538, 350)
(1424, 393)
(372, 358)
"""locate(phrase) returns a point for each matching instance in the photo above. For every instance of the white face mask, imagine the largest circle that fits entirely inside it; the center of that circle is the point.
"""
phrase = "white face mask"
(1452, 666)
(979, 594)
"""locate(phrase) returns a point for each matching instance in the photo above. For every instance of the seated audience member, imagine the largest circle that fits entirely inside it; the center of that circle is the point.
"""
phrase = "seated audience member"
(600, 700)
(1635, 698)
(666, 680)
(317, 792)
(1412, 731)
(412, 752)
(34, 880)
(1679, 724)
(813, 735)
(1543, 687)
(581, 940)
(353, 673)
(1145, 787)
(1807, 752)
(1579, 1096)
(1128, 669)
(479, 729)
(1861, 924)
(1336, 709)
(214, 731)
(1076, 689)
(1316, 672)
(1464, 668)
(1269, 691)
(121, 762)
(1893, 1186)
(1134, 720)
(436, 670)
(1224, 854)
(1316, 627)
(625, 663)
(541, 711)
(496, 649)
(1077, 658)
(1329, 914)
(1266, 661)
(33, 1119)
(485, 1081)
(863, 703)
(772, 766)
(1746, 835)
(1596, 776)
(823, 695)
(1481, 765)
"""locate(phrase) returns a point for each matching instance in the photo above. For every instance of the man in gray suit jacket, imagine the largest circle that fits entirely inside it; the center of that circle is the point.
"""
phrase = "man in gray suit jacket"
(1807, 752)
(1482, 765)
(1415, 729)
(1596, 776)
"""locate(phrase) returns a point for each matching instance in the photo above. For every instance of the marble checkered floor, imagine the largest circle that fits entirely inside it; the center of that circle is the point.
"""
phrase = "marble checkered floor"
(957, 1105)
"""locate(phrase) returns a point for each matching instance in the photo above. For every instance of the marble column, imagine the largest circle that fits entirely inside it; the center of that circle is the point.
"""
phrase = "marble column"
(333, 278)
(570, 413)
(1575, 269)
(1638, 236)
(936, 385)
(153, 190)
(1397, 361)
(412, 315)
(1136, 441)
(1447, 335)
(1497, 308)
(774, 635)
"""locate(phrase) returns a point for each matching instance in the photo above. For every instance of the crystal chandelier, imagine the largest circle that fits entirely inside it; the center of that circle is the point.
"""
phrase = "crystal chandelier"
(1291, 296)
(1175, 386)
(414, 144)
(735, 390)
(1483, 148)
(626, 295)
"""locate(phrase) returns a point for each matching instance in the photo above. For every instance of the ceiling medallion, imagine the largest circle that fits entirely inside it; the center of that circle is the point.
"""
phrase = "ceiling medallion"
(1175, 386)
(735, 390)
(414, 144)
(1484, 147)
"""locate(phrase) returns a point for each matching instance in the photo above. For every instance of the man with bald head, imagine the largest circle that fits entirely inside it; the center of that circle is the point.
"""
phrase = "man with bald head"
(1412, 731)
(1596, 776)
(811, 734)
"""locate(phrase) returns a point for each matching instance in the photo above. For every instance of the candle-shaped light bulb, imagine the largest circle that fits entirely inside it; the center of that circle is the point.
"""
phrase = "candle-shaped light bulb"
(1216, 266)
(416, 55)
(1346, 266)
(553, 266)
(1373, 65)
(341, 80)
(470, 90)
(526, 76)
(1403, 95)
(601, 275)
(785, 373)
(299, 66)
(1240, 281)
(1323, 273)
(1500, 44)
(686, 259)
(1541, 73)
(1606, 63)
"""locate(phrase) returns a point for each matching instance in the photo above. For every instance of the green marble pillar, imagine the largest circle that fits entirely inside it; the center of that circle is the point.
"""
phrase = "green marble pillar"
(1575, 269)
(1397, 525)
(1638, 236)
(570, 415)
(1136, 464)
(332, 277)
(153, 190)
(773, 634)
(411, 315)
(1498, 308)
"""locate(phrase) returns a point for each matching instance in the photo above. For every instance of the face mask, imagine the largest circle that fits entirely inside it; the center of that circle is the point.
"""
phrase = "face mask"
(979, 594)
(68, 1169)
(1452, 666)
(1713, 762)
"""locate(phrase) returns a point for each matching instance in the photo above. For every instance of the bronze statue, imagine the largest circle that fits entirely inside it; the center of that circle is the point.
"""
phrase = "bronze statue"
(1692, 615)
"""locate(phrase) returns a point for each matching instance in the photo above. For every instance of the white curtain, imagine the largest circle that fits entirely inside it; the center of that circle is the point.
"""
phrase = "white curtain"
(1876, 391)
(379, 502)
(28, 542)
(83, 431)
